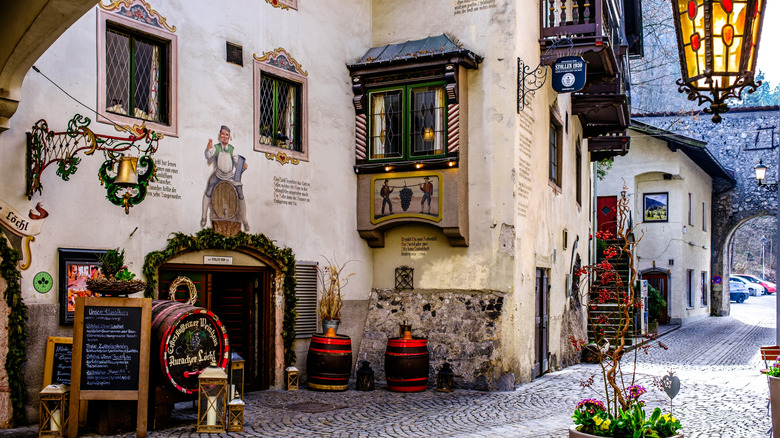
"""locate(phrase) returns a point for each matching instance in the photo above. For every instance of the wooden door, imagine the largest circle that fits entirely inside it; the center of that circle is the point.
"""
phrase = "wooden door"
(659, 280)
(606, 214)
(241, 297)
(541, 323)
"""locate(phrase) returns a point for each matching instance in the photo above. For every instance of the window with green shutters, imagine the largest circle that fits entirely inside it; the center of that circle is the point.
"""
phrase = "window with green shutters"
(407, 123)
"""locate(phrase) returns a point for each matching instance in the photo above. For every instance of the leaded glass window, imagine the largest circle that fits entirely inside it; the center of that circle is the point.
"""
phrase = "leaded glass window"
(279, 113)
(407, 123)
(136, 82)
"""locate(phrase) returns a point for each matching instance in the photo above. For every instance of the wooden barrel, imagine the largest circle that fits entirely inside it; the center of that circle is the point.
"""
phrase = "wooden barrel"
(189, 339)
(329, 363)
(406, 364)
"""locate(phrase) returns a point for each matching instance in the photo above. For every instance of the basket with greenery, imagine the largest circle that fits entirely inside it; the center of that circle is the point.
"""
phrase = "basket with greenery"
(116, 279)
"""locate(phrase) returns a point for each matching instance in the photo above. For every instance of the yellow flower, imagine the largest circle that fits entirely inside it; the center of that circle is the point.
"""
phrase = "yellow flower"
(668, 417)
(598, 421)
(605, 425)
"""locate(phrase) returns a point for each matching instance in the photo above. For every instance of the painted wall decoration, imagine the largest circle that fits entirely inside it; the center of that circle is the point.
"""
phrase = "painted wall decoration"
(223, 199)
(656, 207)
(406, 195)
(21, 230)
(137, 10)
(284, 4)
(76, 267)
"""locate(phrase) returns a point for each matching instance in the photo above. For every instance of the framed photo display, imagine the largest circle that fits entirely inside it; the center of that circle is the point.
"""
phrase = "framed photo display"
(656, 207)
(76, 266)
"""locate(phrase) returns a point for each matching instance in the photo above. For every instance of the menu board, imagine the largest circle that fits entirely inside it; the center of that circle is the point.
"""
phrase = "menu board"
(111, 348)
(59, 351)
(110, 356)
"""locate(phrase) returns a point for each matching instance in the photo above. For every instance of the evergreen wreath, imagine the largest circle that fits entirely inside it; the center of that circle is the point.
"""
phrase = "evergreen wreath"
(207, 238)
(17, 329)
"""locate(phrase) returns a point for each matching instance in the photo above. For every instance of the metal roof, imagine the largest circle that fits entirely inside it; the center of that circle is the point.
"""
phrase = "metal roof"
(430, 47)
(696, 150)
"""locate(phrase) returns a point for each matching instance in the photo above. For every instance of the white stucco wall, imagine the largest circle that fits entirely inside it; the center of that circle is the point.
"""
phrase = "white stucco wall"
(643, 170)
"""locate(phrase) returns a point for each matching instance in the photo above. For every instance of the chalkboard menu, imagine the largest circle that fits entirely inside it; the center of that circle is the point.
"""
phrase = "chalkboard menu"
(110, 355)
(111, 348)
(59, 351)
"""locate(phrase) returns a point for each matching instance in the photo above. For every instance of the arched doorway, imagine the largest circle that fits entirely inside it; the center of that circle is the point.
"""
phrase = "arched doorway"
(241, 296)
(659, 280)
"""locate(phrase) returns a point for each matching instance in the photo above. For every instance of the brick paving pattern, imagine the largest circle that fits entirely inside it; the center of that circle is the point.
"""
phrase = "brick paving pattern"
(723, 395)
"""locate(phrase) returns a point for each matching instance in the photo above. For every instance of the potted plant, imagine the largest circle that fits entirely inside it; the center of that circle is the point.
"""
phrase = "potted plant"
(620, 412)
(332, 279)
(655, 306)
(116, 279)
(773, 376)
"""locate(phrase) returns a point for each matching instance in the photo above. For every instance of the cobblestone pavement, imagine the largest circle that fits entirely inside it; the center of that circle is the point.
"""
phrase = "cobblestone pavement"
(723, 395)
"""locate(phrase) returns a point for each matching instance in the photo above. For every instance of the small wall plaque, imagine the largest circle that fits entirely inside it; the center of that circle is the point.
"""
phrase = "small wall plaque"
(217, 260)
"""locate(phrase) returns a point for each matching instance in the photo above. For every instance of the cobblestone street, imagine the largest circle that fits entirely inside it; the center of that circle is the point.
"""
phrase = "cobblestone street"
(723, 394)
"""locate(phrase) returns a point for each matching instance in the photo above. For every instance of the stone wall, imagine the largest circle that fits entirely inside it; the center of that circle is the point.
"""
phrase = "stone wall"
(463, 328)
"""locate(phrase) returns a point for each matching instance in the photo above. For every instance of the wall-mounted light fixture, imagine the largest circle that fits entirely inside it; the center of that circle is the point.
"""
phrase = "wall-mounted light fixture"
(718, 45)
(124, 156)
(761, 177)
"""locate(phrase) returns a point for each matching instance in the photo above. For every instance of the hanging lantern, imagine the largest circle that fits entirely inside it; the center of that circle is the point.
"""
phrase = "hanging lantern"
(212, 395)
(53, 418)
(718, 45)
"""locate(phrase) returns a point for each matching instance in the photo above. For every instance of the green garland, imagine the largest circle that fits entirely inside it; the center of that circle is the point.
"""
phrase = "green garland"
(17, 329)
(209, 239)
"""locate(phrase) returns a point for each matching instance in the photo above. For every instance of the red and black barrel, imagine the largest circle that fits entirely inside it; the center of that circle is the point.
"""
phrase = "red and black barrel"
(406, 364)
(189, 339)
(329, 363)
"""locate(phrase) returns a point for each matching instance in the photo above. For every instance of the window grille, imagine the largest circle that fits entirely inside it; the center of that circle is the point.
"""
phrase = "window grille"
(404, 277)
(279, 113)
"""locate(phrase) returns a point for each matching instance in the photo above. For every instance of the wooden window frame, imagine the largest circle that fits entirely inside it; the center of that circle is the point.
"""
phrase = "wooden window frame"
(704, 216)
(689, 287)
(264, 69)
(167, 39)
(406, 122)
(578, 172)
(704, 291)
(690, 209)
(555, 151)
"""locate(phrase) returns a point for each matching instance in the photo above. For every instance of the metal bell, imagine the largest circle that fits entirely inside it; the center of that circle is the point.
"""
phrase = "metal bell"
(127, 173)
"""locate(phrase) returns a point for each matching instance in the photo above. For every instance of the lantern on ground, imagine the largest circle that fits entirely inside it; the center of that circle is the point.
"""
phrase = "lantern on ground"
(235, 421)
(445, 380)
(365, 377)
(236, 376)
(212, 399)
(718, 45)
(53, 418)
(292, 378)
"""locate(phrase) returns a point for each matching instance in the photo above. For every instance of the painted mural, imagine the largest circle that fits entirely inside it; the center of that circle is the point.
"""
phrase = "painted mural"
(224, 196)
(406, 195)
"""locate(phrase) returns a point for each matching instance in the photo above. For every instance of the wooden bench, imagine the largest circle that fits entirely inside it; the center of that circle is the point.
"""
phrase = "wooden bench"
(770, 355)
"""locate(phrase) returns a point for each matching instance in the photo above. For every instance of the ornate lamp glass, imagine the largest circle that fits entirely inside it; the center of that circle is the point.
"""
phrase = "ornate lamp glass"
(718, 45)
(760, 172)
(53, 418)
(212, 399)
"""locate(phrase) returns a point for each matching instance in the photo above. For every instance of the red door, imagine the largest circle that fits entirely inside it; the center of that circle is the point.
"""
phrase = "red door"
(660, 282)
(606, 214)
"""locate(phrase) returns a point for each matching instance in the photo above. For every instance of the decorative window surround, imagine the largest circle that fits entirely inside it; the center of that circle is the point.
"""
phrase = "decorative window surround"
(137, 17)
(279, 64)
(284, 4)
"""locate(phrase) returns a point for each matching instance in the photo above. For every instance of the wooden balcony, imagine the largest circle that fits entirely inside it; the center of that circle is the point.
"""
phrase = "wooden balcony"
(596, 29)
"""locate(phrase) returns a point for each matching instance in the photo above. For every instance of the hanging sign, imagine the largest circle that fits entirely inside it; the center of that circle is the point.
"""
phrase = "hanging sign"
(568, 74)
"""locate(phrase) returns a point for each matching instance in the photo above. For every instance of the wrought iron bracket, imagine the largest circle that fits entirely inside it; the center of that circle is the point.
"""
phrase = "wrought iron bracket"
(531, 79)
(46, 147)
(718, 100)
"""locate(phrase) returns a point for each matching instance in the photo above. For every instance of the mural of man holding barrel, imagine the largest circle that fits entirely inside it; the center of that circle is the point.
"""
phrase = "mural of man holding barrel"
(228, 168)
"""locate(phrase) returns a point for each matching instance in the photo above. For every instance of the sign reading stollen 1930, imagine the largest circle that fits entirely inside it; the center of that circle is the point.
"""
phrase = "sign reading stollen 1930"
(568, 74)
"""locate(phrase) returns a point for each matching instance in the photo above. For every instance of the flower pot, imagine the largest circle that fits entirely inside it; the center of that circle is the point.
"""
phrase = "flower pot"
(774, 401)
(328, 324)
(574, 433)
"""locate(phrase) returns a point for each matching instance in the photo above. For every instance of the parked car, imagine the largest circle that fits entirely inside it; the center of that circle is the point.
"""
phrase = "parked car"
(753, 288)
(769, 287)
(738, 291)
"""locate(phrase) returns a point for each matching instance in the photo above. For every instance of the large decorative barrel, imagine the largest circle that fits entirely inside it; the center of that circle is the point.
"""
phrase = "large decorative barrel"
(329, 363)
(406, 364)
(189, 339)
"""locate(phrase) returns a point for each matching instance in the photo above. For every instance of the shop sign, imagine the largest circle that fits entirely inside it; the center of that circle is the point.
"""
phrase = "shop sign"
(568, 74)
(217, 260)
